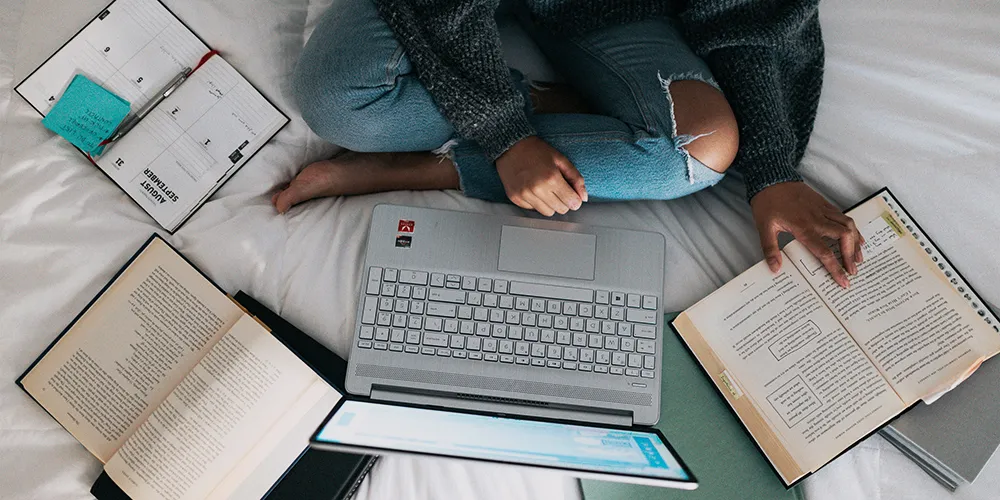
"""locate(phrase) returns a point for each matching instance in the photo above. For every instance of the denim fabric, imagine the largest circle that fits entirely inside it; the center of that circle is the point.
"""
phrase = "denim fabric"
(357, 89)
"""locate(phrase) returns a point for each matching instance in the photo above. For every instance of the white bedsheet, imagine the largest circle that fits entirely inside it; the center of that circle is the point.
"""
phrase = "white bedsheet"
(911, 101)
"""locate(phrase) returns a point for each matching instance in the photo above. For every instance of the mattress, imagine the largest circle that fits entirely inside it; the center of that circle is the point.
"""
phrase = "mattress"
(910, 101)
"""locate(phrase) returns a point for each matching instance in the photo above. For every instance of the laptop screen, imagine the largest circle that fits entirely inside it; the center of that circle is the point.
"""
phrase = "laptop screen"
(528, 442)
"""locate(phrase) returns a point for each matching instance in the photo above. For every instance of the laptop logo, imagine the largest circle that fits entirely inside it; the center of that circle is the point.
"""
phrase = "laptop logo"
(405, 226)
(403, 241)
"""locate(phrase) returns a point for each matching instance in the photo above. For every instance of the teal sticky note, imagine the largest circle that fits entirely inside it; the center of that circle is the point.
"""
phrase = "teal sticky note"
(86, 114)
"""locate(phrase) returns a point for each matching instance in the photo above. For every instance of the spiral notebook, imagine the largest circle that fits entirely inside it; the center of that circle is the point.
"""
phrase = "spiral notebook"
(193, 141)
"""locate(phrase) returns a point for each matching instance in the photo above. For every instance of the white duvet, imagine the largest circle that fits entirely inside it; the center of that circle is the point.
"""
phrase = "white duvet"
(911, 100)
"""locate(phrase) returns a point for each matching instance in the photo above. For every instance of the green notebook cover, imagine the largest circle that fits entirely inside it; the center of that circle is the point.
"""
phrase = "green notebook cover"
(707, 436)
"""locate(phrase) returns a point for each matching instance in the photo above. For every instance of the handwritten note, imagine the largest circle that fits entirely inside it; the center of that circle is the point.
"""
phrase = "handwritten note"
(86, 114)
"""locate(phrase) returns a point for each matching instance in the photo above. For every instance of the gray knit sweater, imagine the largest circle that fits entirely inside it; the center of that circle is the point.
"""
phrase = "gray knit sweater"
(767, 55)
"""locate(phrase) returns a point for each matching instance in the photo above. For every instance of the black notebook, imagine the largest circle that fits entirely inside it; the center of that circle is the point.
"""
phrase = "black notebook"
(183, 392)
(190, 143)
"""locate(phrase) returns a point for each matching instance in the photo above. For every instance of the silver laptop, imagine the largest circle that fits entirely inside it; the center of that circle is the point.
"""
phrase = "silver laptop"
(510, 315)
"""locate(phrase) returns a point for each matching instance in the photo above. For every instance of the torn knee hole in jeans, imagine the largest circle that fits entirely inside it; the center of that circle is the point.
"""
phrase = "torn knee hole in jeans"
(444, 152)
(682, 140)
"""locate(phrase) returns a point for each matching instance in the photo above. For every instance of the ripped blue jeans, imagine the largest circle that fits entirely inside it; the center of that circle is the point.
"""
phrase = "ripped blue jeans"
(357, 88)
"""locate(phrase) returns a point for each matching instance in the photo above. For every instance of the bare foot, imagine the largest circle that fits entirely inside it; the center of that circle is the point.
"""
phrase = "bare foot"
(362, 173)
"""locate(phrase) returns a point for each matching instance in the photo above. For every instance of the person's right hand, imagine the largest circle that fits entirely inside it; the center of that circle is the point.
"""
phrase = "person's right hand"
(537, 177)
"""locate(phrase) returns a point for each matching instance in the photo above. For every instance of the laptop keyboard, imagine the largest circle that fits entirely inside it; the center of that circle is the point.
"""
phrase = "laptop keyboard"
(500, 321)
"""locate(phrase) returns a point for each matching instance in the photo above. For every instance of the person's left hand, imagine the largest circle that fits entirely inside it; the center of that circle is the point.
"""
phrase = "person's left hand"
(796, 208)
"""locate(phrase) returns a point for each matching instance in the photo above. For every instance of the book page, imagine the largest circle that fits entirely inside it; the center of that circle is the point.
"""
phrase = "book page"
(128, 351)
(193, 140)
(214, 417)
(901, 309)
(781, 348)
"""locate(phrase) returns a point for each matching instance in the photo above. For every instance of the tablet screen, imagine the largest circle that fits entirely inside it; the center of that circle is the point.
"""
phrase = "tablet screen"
(547, 444)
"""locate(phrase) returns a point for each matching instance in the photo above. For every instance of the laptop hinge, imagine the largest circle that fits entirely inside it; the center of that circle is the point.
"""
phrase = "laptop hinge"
(501, 406)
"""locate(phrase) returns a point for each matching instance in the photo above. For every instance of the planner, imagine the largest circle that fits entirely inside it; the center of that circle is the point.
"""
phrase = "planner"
(194, 140)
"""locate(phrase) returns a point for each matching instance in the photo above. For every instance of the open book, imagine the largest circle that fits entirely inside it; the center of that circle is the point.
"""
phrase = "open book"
(193, 141)
(811, 368)
(176, 389)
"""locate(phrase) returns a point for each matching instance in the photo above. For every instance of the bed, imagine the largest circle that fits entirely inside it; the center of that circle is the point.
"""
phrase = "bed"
(911, 100)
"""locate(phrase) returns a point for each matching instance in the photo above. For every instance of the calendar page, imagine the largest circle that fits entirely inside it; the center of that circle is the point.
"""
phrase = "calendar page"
(194, 140)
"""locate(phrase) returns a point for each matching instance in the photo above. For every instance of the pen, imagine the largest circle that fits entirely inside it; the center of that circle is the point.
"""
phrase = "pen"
(146, 108)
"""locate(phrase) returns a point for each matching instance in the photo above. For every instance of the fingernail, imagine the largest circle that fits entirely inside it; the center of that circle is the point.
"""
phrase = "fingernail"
(773, 264)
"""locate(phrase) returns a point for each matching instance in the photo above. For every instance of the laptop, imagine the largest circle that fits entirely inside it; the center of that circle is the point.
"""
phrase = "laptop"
(513, 327)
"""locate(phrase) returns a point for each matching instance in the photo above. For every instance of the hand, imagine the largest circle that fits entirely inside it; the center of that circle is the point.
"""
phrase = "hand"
(796, 208)
(537, 177)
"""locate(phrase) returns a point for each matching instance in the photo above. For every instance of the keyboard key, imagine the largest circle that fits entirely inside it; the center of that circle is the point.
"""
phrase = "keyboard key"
(449, 296)
(500, 286)
(538, 305)
(633, 300)
(491, 357)
(569, 365)
(563, 338)
(396, 335)
(648, 302)
(399, 320)
(365, 344)
(435, 339)
(457, 342)
(490, 300)
(611, 343)
(506, 347)
(570, 353)
(645, 346)
(554, 307)
(624, 330)
(537, 362)
(475, 299)
(464, 312)
(628, 345)
(576, 324)
(413, 277)
(586, 355)
(618, 313)
(403, 291)
(415, 322)
(586, 310)
(531, 334)
(528, 319)
(453, 284)
(548, 336)
(467, 328)
(522, 348)
(437, 279)
(635, 360)
(515, 332)
(390, 275)
(454, 278)
(380, 346)
(444, 352)
(641, 316)
(499, 331)
(468, 283)
(608, 327)
(603, 357)
(537, 350)
(383, 319)
(553, 351)
(416, 307)
(551, 292)
(433, 324)
(473, 344)
(382, 334)
(554, 364)
(490, 345)
(481, 314)
(506, 358)
(496, 316)
(419, 293)
(402, 306)
(374, 281)
(458, 354)
(595, 340)
(441, 310)
(485, 285)
(617, 370)
(483, 329)
(617, 299)
(521, 360)
(593, 326)
(618, 358)
(475, 355)
(586, 368)
(412, 349)
(569, 308)
(451, 326)
(396, 347)
(561, 323)
(601, 312)
(512, 318)
(646, 373)
(632, 372)
(643, 331)
(366, 333)
(412, 337)
(388, 290)
(545, 321)
(602, 297)
(601, 369)
(522, 304)
(385, 304)
(506, 302)
(580, 339)
(649, 362)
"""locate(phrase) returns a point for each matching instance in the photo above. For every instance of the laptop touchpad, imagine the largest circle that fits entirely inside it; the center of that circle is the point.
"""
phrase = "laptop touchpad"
(545, 252)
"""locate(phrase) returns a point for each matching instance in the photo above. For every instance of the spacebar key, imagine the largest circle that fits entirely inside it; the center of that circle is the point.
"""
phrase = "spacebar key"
(551, 291)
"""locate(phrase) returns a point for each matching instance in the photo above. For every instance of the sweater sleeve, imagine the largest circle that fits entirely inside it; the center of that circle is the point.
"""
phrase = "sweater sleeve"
(455, 48)
(767, 56)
